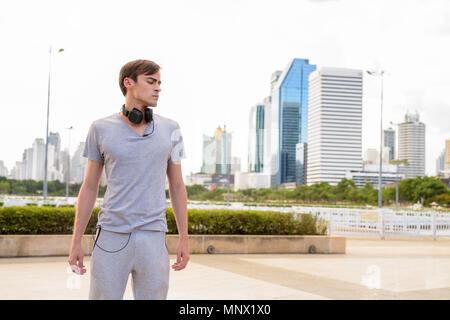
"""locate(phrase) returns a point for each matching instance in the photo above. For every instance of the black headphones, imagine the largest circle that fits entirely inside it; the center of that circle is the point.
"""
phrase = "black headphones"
(136, 116)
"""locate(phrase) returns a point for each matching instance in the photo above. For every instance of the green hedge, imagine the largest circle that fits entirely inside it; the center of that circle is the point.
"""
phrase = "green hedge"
(50, 220)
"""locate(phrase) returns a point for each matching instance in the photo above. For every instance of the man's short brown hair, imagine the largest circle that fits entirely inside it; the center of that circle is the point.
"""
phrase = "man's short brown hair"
(135, 68)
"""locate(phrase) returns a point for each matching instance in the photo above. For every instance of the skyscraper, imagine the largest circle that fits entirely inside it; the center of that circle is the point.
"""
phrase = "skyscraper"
(78, 165)
(27, 164)
(440, 164)
(301, 154)
(389, 141)
(447, 159)
(3, 169)
(411, 146)
(54, 139)
(18, 172)
(37, 170)
(335, 124)
(217, 152)
(288, 119)
(256, 139)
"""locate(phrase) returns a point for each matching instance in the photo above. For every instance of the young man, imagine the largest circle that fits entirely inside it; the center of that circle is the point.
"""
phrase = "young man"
(138, 150)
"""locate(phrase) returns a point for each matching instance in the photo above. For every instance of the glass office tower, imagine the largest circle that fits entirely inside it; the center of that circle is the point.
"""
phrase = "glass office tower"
(289, 120)
(256, 139)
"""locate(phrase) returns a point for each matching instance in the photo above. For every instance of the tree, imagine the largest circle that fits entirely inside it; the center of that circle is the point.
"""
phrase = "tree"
(421, 189)
(4, 187)
(343, 188)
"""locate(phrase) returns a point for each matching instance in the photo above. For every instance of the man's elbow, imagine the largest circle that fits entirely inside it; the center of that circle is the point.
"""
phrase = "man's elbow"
(177, 186)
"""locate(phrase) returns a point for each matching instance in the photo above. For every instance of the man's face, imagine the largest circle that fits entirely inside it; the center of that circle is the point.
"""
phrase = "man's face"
(146, 89)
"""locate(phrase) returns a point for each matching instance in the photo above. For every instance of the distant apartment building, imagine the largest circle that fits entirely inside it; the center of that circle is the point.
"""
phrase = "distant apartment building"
(198, 178)
(371, 172)
(32, 165)
(27, 164)
(235, 165)
(372, 156)
(447, 159)
(256, 138)
(217, 152)
(37, 164)
(78, 165)
(250, 180)
(335, 124)
(3, 169)
(440, 164)
(301, 153)
(411, 145)
(389, 142)
(54, 139)
(17, 172)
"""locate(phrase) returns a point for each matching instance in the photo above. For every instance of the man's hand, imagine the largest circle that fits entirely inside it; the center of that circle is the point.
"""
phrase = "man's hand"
(182, 255)
(76, 258)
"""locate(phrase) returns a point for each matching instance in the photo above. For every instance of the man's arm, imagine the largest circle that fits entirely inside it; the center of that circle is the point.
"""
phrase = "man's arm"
(178, 196)
(86, 201)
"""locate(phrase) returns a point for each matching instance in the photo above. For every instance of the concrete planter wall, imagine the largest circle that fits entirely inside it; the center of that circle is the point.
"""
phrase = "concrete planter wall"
(59, 245)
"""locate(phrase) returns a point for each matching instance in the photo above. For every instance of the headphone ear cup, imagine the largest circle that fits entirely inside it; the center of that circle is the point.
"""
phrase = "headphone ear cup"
(148, 115)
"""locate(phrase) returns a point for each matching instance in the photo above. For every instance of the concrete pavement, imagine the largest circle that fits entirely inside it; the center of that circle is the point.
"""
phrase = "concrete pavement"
(371, 269)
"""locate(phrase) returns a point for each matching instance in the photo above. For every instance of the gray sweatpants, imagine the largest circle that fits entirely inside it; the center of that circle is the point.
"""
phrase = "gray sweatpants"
(144, 254)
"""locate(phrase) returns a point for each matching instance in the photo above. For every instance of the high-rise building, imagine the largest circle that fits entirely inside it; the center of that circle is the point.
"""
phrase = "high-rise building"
(209, 155)
(17, 171)
(235, 165)
(3, 169)
(447, 159)
(288, 119)
(440, 164)
(371, 156)
(78, 165)
(411, 146)
(64, 164)
(53, 173)
(27, 164)
(54, 139)
(37, 170)
(335, 124)
(217, 152)
(301, 154)
(256, 139)
(389, 142)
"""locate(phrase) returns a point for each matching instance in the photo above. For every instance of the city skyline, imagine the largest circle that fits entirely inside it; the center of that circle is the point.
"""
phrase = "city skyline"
(224, 72)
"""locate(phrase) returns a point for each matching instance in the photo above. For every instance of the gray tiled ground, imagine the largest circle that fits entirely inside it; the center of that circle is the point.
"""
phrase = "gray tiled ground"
(371, 269)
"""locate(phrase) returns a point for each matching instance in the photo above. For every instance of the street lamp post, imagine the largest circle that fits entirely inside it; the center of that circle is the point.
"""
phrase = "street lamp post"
(69, 168)
(225, 180)
(380, 189)
(397, 162)
(48, 111)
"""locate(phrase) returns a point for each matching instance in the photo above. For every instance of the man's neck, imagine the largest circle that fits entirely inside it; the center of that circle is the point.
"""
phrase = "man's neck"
(129, 105)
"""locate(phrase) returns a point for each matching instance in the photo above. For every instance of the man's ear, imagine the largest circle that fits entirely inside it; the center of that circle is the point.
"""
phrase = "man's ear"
(127, 82)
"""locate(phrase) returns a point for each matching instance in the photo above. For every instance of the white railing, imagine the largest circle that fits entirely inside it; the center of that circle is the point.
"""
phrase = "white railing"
(340, 221)
(386, 222)
(364, 222)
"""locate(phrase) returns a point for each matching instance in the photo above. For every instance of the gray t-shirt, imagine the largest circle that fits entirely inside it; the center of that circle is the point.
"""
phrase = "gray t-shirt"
(135, 169)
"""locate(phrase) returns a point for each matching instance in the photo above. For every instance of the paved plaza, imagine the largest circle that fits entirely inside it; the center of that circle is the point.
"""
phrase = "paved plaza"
(370, 269)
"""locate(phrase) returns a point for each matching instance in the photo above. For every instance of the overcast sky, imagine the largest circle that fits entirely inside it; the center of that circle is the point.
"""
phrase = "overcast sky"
(217, 58)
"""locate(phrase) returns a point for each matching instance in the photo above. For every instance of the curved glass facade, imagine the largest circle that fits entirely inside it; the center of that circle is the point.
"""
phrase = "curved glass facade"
(289, 119)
